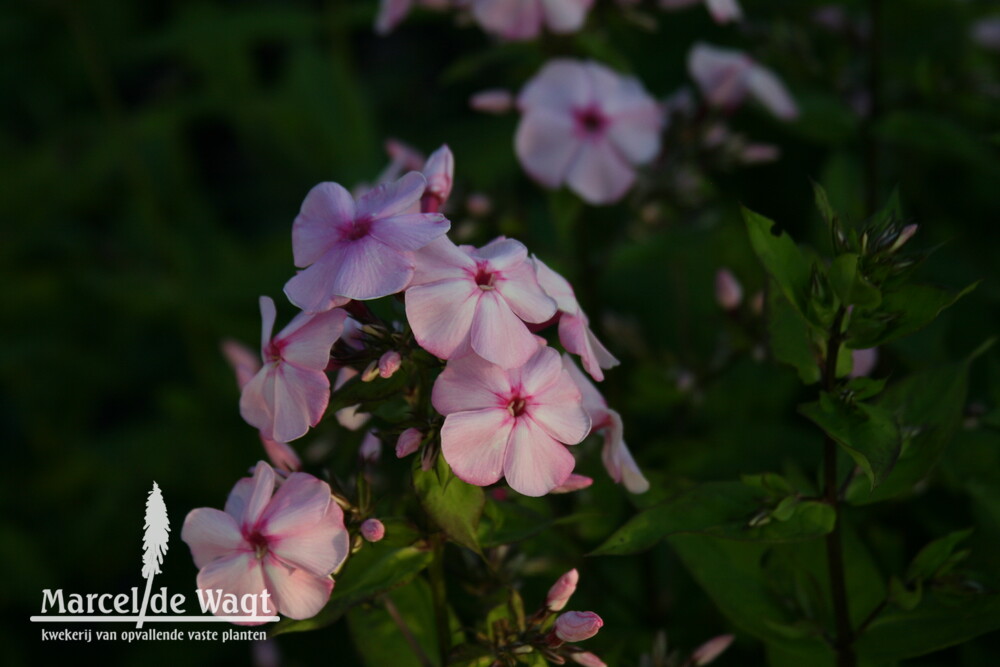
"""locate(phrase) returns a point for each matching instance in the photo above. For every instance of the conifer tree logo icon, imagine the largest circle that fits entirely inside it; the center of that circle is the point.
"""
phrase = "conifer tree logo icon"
(154, 543)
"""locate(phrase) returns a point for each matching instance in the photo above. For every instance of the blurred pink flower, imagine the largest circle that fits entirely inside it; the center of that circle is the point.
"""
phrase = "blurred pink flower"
(524, 19)
(462, 298)
(587, 659)
(562, 590)
(576, 626)
(574, 327)
(361, 250)
(246, 365)
(986, 33)
(287, 543)
(587, 126)
(291, 391)
(615, 455)
(863, 362)
(494, 100)
(723, 11)
(711, 650)
(372, 530)
(370, 450)
(392, 12)
(728, 291)
(727, 76)
(511, 423)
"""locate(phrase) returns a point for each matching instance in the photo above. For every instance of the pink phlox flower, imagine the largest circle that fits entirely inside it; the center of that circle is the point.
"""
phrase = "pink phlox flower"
(726, 77)
(359, 250)
(464, 299)
(510, 423)
(615, 454)
(291, 390)
(286, 542)
(722, 11)
(246, 365)
(574, 327)
(586, 126)
(524, 19)
(493, 100)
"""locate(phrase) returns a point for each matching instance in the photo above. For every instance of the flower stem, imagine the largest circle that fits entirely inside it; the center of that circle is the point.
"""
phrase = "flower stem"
(439, 595)
(844, 641)
(407, 633)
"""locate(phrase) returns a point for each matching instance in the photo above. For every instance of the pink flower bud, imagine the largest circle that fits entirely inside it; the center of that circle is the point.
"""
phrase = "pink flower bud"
(711, 650)
(562, 590)
(494, 100)
(863, 362)
(575, 626)
(587, 659)
(728, 291)
(573, 483)
(371, 448)
(373, 530)
(439, 172)
(389, 363)
(903, 237)
(409, 442)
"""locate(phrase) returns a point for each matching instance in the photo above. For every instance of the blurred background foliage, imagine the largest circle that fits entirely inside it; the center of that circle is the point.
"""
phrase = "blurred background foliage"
(155, 154)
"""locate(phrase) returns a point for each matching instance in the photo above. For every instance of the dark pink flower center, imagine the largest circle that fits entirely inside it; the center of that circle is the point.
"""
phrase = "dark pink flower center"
(484, 277)
(590, 121)
(272, 353)
(357, 229)
(517, 406)
(258, 541)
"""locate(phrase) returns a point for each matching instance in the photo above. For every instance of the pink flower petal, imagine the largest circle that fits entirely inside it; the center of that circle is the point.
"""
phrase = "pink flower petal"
(535, 463)
(769, 91)
(282, 456)
(576, 337)
(565, 16)
(298, 594)
(521, 291)
(390, 14)
(470, 383)
(250, 496)
(724, 11)
(257, 401)
(300, 502)
(440, 260)
(210, 534)
(268, 313)
(308, 338)
(245, 363)
(300, 398)
(511, 19)
(475, 444)
(559, 411)
(546, 145)
(498, 335)
(600, 174)
(239, 574)
(441, 314)
(316, 228)
(556, 287)
(617, 457)
(392, 199)
(410, 232)
(320, 548)
(560, 86)
(503, 253)
(593, 402)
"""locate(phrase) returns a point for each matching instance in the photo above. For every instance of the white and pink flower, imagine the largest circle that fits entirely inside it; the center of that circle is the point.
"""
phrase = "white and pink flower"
(726, 77)
(463, 298)
(510, 423)
(287, 543)
(291, 390)
(359, 250)
(524, 19)
(587, 126)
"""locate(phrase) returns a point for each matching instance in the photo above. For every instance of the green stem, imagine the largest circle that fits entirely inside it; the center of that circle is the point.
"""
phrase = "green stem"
(407, 633)
(440, 597)
(844, 641)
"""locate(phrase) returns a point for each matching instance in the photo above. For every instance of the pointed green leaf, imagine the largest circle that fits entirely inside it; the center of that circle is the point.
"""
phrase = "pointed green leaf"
(867, 432)
(791, 342)
(453, 504)
(935, 555)
(823, 204)
(849, 285)
(902, 312)
(786, 263)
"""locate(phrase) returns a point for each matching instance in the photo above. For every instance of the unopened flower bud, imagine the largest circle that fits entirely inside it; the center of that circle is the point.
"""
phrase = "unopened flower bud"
(728, 291)
(576, 626)
(903, 237)
(439, 172)
(389, 363)
(494, 100)
(371, 448)
(373, 530)
(587, 659)
(562, 590)
(573, 483)
(371, 372)
(408, 442)
(711, 650)
(863, 362)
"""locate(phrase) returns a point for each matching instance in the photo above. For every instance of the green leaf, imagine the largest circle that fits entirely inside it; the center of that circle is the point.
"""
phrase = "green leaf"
(782, 259)
(507, 522)
(935, 555)
(863, 388)
(938, 622)
(356, 392)
(823, 204)
(868, 433)
(772, 484)
(902, 312)
(508, 614)
(375, 569)
(903, 597)
(850, 286)
(928, 406)
(731, 510)
(379, 639)
(791, 342)
(454, 505)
